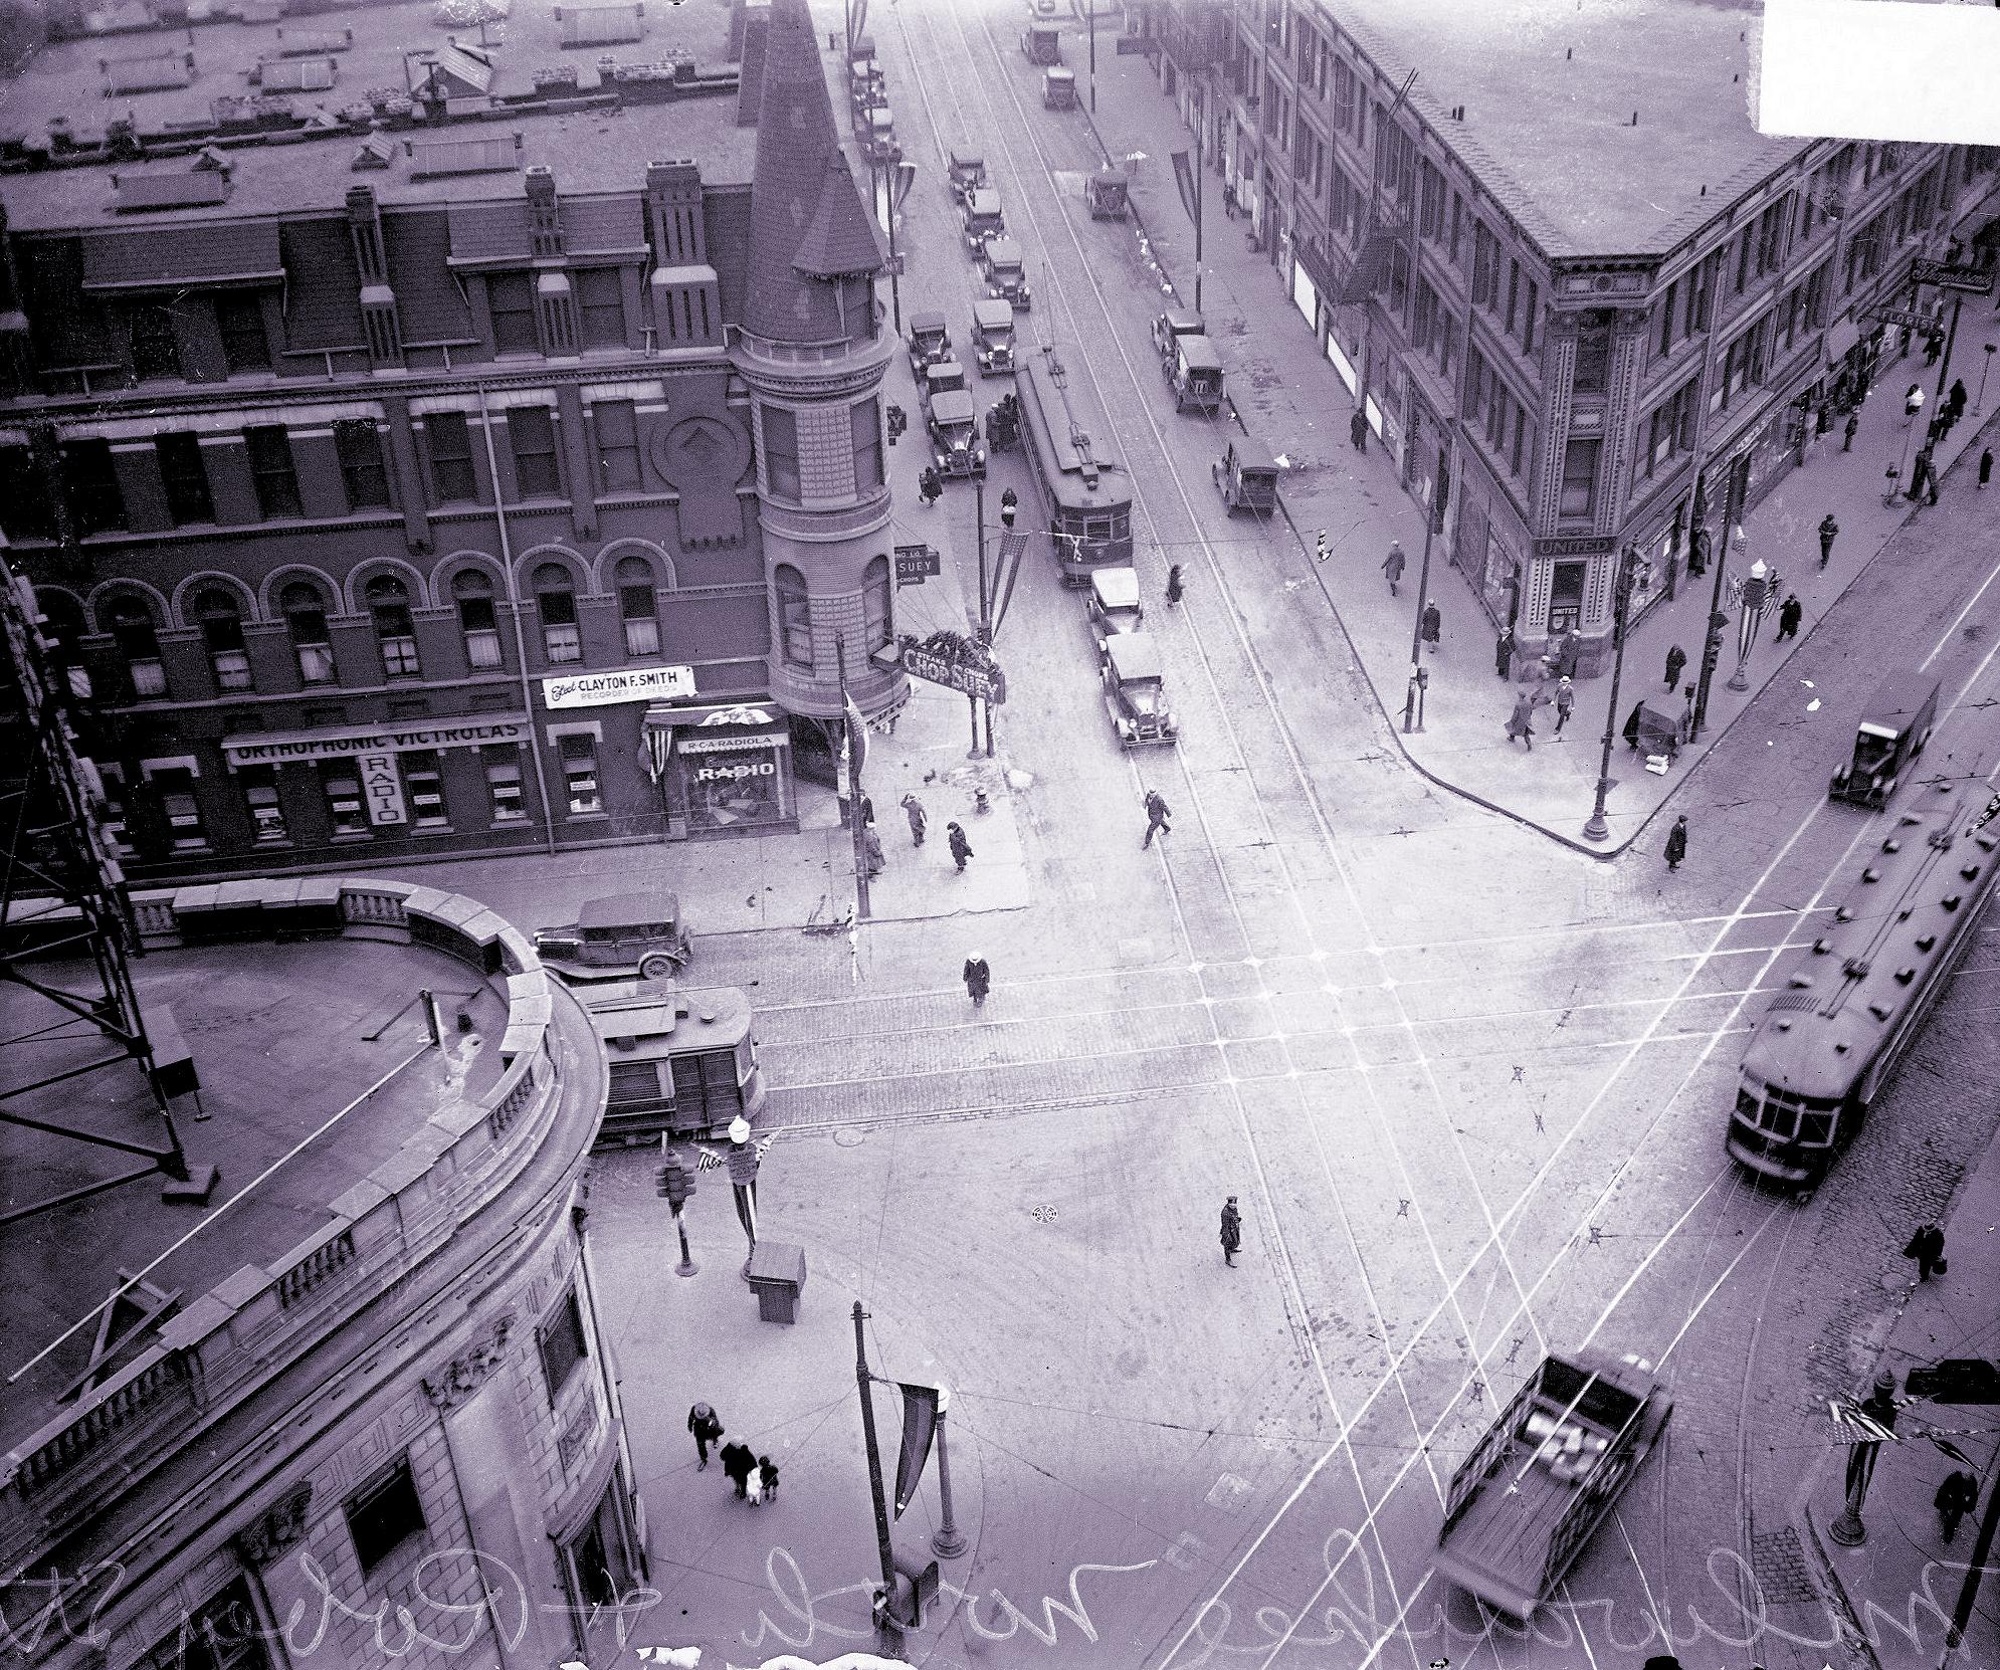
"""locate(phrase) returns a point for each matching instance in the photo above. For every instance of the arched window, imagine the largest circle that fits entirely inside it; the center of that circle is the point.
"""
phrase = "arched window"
(220, 618)
(304, 608)
(388, 602)
(555, 596)
(131, 623)
(64, 625)
(473, 592)
(795, 620)
(639, 606)
(875, 595)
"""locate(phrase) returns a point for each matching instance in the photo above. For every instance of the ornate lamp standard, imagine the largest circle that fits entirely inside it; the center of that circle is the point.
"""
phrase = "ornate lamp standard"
(1597, 829)
(1756, 594)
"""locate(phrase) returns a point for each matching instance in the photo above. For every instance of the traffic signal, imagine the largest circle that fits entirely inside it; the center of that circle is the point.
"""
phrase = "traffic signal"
(1322, 550)
(674, 1184)
(1009, 503)
(899, 420)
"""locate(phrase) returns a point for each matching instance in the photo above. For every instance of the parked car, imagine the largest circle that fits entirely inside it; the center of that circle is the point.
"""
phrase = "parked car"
(1059, 89)
(1106, 192)
(1006, 277)
(1135, 690)
(1195, 375)
(981, 219)
(930, 341)
(1247, 477)
(618, 936)
(954, 432)
(1042, 42)
(1114, 604)
(1174, 323)
(993, 336)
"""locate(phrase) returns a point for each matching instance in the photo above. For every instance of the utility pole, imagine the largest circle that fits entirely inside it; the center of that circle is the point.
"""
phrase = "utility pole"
(1092, 4)
(1598, 828)
(1201, 121)
(1711, 652)
(890, 1636)
(851, 770)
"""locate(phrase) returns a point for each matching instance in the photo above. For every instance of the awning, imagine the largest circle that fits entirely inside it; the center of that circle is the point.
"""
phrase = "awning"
(711, 728)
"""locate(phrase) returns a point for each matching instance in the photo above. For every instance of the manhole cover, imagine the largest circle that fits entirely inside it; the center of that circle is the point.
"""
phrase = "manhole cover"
(1228, 1493)
(1778, 1561)
(846, 1137)
(1043, 1214)
(1184, 1551)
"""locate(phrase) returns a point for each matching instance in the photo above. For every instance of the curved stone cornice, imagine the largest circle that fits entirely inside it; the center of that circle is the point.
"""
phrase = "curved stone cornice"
(825, 526)
(843, 368)
(460, 1379)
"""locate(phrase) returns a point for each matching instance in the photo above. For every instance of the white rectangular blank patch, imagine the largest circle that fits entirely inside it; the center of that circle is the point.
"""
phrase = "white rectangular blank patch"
(1880, 69)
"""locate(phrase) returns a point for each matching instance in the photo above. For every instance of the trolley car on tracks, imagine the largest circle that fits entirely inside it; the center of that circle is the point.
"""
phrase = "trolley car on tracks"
(1853, 1002)
(1085, 490)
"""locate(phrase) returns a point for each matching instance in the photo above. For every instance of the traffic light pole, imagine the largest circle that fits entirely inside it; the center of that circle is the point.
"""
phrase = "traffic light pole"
(675, 1185)
(1711, 648)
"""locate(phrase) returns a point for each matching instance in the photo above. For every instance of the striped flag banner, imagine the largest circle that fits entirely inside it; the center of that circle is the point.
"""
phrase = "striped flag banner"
(1853, 1427)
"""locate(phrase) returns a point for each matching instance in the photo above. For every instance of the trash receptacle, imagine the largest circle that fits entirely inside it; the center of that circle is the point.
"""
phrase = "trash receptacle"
(777, 1273)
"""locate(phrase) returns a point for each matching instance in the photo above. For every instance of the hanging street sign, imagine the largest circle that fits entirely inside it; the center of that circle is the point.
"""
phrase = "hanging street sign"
(956, 663)
(915, 563)
(1969, 280)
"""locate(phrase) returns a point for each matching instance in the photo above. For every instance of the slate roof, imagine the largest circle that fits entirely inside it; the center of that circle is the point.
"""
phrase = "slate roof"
(808, 222)
(1550, 88)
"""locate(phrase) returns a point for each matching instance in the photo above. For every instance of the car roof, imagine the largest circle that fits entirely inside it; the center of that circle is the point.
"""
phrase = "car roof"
(1252, 457)
(1116, 588)
(952, 406)
(1003, 249)
(985, 200)
(1057, 72)
(1135, 655)
(993, 313)
(1181, 322)
(967, 159)
(1198, 351)
(616, 910)
(926, 322)
(944, 371)
(1898, 697)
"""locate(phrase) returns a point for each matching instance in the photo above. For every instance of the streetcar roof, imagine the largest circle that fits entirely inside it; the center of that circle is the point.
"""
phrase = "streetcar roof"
(641, 1018)
(1896, 703)
(993, 314)
(1057, 415)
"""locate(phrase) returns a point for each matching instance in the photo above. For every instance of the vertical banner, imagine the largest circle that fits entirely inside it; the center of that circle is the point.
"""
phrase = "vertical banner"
(920, 1406)
(383, 788)
(1184, 181)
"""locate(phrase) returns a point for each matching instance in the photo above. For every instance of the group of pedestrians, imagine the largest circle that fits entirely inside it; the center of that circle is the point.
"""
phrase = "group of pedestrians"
(754, 1476)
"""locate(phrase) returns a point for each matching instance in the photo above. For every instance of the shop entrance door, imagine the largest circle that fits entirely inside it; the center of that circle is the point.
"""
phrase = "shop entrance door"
(1566, 597)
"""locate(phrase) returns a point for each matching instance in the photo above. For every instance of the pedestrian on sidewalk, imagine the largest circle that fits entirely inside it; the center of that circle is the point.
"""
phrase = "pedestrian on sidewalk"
(1565, 703)
(1847, 435)
(961, 849)
(706, 1426)
(1699, 546)
(1567, 652)
(930, 485)
(1357, 430)
(871, 851)
(1157, 813)
(1677, 842)
(1955, 1498)
(913, 809)
(1927, 1248)
(1913, 403)
(1677, 658)
(1985, 466)
(1393, 563)
(1176, 587)
(1790, 613)
(978, 979)
(1930, 477)
(753, 1484)
(1829, 530)
(1431, 627)
(1933, 346)
(1955, 400)
(767, 1476)
(1520, 723)
(1503, 653)
(737, 1461)
(1232, 1231)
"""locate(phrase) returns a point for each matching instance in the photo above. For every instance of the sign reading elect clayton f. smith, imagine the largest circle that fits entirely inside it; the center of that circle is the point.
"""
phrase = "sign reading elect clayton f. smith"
(625, 684)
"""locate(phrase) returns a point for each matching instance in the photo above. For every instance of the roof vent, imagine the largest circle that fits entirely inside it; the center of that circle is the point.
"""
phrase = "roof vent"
(1841, 1047)
(1843, 915)
(1905, 975)
(1822, 946)
(1871, 874)
(1926, 941)
(148, 193)
(1855, 968)
(1892, 845)
(1970, 872)
(1881, 1011)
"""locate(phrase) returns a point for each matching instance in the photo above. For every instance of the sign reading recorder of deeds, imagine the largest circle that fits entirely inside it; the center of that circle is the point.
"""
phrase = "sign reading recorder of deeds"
(627, 684)
(339, 742)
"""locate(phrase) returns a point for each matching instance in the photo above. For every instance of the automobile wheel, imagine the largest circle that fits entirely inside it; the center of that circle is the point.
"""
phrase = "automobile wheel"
(655, 965)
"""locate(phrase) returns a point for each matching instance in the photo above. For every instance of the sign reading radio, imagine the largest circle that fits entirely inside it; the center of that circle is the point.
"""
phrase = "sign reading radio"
(339, 742)
(630, 684)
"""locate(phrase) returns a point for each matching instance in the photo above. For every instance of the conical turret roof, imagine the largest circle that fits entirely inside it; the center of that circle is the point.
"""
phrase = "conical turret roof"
(808, 223)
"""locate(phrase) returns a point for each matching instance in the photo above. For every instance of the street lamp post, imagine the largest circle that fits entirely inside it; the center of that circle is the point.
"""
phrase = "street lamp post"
(743, 1180)
(1879, 1407)
(948, 1541)
(1756, 593)
(1980, 399)
(1093, 55)
(1597, 828)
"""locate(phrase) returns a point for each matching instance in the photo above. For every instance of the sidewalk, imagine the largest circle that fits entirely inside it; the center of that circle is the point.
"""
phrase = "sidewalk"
(1905, 1576)
(1292, 399)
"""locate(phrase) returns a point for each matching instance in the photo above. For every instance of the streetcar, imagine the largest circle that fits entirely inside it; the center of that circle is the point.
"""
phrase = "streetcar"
(1851, 1003)
(1085, 491)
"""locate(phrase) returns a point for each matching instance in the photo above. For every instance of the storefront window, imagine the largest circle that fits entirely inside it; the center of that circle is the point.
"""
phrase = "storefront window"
(340, 781)
(395, 630)
(131, 624)
(423, 781)
(794, 616)
(180, 809)
(599, 1565)
(579, 768)
(876, 592)
(474, 594)
(503, 782)
(305, 618)
(639, 606)
(222, 626)
(555, 596)
(267, 814)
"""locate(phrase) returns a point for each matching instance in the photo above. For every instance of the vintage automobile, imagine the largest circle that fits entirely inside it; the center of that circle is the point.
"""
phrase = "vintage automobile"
(1114, 604)
(1895, 725)
(993, 336)
(941, 377)
(968, 173)
(618, 936)
(954, 431)
(1042, 42)
(1059, 89)
(682, 1061)
(1106, 193)
(930, 341)
(1195, 375)
(1135, 690)
(1525, 1501)
(981, 219)
(865, 87)
(1175, 323)
(876, 130)
(1247, 477)
(1006, 278)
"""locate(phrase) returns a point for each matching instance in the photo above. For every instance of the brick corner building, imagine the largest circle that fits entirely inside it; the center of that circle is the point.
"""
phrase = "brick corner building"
(415, 467)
